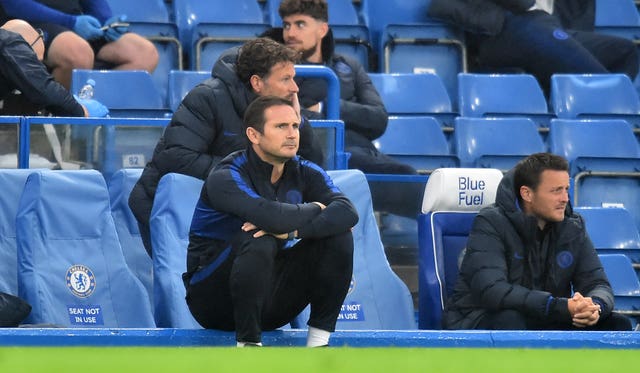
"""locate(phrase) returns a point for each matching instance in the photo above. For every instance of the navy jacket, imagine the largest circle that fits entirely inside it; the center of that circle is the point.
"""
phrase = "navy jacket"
(239, 190)
(501, 268)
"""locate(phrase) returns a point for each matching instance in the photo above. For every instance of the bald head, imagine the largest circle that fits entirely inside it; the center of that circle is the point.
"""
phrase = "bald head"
(28, 33)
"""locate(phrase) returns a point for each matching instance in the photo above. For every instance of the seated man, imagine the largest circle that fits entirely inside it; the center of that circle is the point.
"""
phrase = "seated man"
(541, 37)
(529, 263)
(77, 33)
(21, 69)
(270, 235)
(208, 123)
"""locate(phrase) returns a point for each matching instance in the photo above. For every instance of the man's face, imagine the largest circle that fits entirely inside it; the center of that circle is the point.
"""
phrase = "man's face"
(550, 198)
(304, 34)
(279, 141)
(279, 82)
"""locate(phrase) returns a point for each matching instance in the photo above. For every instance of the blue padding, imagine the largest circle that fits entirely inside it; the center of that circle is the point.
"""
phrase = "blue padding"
(126, 224)
(170, 221)
(441, 238)
(564, 339)
(70, 264)
(377, 298)
(11, 185)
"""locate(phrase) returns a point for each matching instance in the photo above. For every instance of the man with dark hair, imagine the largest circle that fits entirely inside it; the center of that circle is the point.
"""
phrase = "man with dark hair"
(529, 262)
(306, 29)
(207, 126)
(270, 235)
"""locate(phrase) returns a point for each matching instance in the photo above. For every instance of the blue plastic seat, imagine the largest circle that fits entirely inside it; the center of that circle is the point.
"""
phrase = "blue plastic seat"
(604, 159)
(612, 231)
(502, 95)
(584, 96)
(616, 13)
(625, 285)
(126, 225)
(416, 141)
(173, 207)
(11, 184)
(495, 142)
(150, 18)
(180, 83)
(448, 210)
(70, 264)
(209, 27)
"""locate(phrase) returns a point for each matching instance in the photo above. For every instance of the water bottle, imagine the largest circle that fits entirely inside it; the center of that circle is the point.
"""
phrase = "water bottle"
(86, 92)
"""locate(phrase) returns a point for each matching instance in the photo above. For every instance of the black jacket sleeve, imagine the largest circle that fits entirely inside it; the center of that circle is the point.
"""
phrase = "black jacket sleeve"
(21, 67)
(189, 136)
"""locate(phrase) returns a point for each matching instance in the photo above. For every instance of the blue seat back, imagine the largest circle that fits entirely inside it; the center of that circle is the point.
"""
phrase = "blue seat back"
(451, 201)
(126, 225)
(495, 142)
(181, 82)
(417, 141)
(11, 184)
(621, 275)
(70, 264)
(612, 231)
(616, 13)
(173, 207)
(412, 94)
(576, 95)
(481, 95)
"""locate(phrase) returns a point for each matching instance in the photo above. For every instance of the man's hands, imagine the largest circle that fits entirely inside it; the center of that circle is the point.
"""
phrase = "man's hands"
(248, 226)
(583, 311)
(87, 27)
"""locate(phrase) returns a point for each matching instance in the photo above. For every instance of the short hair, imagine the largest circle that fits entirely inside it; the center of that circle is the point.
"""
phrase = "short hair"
(317, 9)
(254, 115)
(258, 56)
(527, 172)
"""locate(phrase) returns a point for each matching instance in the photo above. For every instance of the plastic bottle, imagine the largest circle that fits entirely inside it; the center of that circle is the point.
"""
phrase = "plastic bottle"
(86, 92)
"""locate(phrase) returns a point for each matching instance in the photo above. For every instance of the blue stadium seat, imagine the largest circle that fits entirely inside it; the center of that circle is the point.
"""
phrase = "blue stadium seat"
(209, 27)
(417, 141)
(584, 96)
(70, 264)
(150, 18)
(11, 184)
(404, 95)
(616, 13)
(443, 228)
(495, 142)
(180, 83)
(603, 175)
(126, 224)
(142, 98)
(350, 37)
(173, 207)
(502, 95)
(625, 285)
(612, 231)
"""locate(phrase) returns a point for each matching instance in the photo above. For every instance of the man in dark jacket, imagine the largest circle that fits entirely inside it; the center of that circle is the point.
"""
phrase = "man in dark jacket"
(540, 37)
(208, 123)
(306, 29)
(270, 234)
(529, 262)
(21, 69)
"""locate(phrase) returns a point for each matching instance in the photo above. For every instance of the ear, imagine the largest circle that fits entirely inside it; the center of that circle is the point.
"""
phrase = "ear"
(525, 193)
(256, 83)
(253, 135)
(323, 29)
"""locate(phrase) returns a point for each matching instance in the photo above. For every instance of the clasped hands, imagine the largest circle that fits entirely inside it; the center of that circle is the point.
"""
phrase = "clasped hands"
(583, 311)
(248, 226)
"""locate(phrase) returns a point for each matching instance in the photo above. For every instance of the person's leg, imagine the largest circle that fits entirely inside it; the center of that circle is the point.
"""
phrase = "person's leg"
(615, 321)
(130, 52)
(68, 51)
(618, 55)
(503, 320)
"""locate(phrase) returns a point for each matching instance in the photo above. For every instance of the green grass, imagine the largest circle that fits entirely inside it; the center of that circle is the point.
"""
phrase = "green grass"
(339, 359)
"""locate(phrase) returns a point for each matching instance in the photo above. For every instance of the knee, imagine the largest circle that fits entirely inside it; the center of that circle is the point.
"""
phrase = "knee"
(505, 320)
(71, 52)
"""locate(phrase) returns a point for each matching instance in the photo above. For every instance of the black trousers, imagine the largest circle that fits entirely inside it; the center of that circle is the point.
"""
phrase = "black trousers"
(514, 320)
(260, 286)
(536, 43)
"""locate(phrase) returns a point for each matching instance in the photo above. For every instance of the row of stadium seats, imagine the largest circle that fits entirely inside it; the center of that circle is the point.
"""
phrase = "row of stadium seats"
(71, 248)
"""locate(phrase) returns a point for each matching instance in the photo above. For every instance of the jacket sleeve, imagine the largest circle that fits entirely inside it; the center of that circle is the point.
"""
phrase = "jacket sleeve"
(364, 113)
(339, 215)
(515, 6)
(228, 191)
(22, 67)
(33, 11)
(97, 8)
(590, 279)
(309, 144)
(485, 266)
(189, 136)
